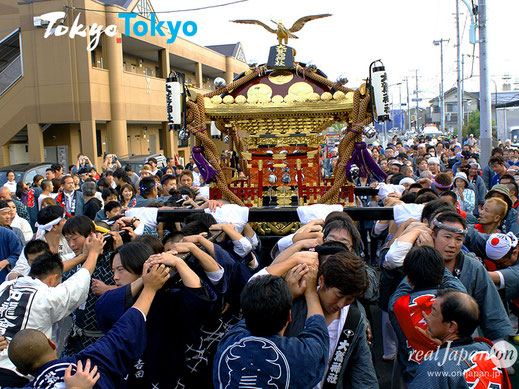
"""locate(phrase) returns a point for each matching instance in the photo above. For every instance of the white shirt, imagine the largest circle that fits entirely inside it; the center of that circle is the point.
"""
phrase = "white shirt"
(64, 251)
(68, 200)
(196, 178)
(11, 186)
(242, 247)
(42, 197)
(24, 226)
(334, 331)
(215, 276)
(501, 280)
(100, 198)
(281, 245)
(42, 305)
(396, 254)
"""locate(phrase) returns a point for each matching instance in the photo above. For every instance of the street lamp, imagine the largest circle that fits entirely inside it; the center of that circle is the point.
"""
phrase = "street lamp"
(442, 97)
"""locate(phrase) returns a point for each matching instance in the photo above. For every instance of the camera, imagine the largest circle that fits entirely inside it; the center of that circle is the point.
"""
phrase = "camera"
(109, 240)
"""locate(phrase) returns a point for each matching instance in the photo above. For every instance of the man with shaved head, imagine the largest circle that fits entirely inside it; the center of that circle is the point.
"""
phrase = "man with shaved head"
(460, 360)
(39, 300)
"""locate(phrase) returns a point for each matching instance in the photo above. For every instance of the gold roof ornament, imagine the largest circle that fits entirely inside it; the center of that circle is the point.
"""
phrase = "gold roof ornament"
(282, 32)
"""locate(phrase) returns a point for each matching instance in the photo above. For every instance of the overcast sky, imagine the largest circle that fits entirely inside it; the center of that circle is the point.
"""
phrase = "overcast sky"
(400, 32)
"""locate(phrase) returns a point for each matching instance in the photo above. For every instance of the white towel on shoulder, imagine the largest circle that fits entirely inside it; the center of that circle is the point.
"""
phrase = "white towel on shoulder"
(404, 212)
(231, 213)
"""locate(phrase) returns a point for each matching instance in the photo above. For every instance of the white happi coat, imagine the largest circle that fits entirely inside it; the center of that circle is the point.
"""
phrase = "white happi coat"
(27, 302)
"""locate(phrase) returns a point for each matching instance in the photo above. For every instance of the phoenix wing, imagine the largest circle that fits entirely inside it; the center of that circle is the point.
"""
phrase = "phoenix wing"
(251, 21)
(298, 25)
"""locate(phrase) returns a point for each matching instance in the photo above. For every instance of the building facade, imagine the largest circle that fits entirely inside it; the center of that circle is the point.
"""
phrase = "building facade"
(505, 112)
(470, 104)
(58, 99)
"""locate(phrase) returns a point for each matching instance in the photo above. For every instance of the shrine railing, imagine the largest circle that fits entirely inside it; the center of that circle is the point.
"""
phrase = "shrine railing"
(311, 193)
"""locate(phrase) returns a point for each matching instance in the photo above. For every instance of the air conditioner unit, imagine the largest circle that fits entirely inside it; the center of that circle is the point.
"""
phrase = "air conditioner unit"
(45, 19)
(39, 22)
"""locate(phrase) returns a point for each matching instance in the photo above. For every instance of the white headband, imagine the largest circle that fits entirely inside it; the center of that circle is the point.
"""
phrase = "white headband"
(46, 227)
(498, 245)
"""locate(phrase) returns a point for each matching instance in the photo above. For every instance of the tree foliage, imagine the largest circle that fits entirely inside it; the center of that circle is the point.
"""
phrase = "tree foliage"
(472, 125)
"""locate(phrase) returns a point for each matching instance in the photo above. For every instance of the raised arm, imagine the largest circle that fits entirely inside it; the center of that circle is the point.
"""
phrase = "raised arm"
(188, 276)
(229, 230)
(312, 299)
(202, 241)
(281, 268)
(94, 244)
(295, 248)
(153, 280)
(70, 264)
(206, 261)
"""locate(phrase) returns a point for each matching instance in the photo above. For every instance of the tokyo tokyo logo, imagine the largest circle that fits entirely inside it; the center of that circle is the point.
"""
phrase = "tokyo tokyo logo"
(54, 26)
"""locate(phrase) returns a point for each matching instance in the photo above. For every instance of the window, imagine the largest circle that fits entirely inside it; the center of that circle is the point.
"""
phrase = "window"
(143, 8)
(240, 55)
(97, 59)
(451, 107)
(11, 64)
(161, 138)
(182, 143)
(99, 143)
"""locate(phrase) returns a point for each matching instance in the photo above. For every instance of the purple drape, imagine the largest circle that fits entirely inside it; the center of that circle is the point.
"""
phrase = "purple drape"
(368, 167)
(206, 170)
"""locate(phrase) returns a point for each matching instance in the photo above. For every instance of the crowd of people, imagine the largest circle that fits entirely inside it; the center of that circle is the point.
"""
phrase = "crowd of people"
(100, 292)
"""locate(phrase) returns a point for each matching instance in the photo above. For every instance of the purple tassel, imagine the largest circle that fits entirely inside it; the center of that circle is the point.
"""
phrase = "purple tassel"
(207, 172)
(368, 167)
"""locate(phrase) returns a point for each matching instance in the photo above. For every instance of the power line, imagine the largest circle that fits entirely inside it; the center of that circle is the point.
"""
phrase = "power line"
(157, 12)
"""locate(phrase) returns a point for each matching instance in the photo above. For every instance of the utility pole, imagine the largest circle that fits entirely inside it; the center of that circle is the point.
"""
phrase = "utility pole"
(485, 118)
(462, 86)
(458, 86)
(399, 84)
(408, 106)
(400, 105)
(417, 104)
(442, 97)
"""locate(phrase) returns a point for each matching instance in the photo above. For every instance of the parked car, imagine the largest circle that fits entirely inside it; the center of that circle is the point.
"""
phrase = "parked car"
(137, 161)
(24, 172)
(431, 130)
